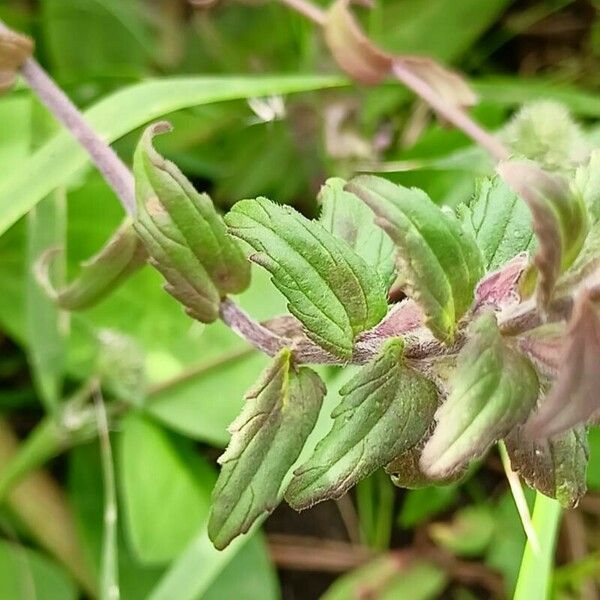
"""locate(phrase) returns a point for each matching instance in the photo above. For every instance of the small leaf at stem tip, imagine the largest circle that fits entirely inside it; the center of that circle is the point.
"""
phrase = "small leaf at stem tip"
(267, 438)
(573, 398)
(493, 389)
(439, 262)
(329, 287)
(560, 220)
(346, 217)
(358, 56)
(385, 410)
(556, 468)
(15, 49)
(120, 257)
(185, 236)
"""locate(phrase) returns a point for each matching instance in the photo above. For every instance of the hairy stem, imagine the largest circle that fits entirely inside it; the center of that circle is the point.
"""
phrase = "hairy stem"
(112, 168)
(307, 9)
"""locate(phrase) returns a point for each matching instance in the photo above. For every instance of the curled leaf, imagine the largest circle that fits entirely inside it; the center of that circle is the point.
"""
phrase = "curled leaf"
(329, 288)
(185, 236)
(358, 56)
(439, 263)
(15, 49)
(493, 389)
(267, 438)
(556, 468)
(560, 220)
(344, 215)
(351, 48)
(121, 256)
(574, 398)
(385, 410)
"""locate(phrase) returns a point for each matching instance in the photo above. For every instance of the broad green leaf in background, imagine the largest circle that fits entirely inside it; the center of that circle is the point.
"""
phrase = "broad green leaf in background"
(593, 472)
(500, 222)
(422, 504)
(184, 235)
(426, 23)
(26, 574)
(493, 389)
(344, 215)
(267, 438)
(438, 261)
(135, 105)
(556, 467)
(468, 534)
(329, 288)
(165, 489)
(386, 409)
(47, 326)
(66, 22)
(388, 578)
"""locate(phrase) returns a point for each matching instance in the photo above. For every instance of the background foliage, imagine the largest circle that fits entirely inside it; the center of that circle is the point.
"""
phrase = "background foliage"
(179, 383)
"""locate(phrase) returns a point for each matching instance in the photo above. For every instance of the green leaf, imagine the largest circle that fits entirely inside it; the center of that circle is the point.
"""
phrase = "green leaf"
(439, 262)
(118, 42)
(160, 477)
(493, 388)
(421, 505)
(267, 438)
(185, 237)
(26, 573)
(593, 472)
(344, 215)
(560, 220)
(386, 409)
(556, 467)
(47, 327)
(122, 255)
(387, 578)
(329, 288)
(500, 222)
(468, 534)
(135, 105)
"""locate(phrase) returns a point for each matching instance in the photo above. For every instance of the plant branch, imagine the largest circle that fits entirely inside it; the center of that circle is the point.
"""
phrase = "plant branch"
(307, 9)
(112, 168)
(459, 118)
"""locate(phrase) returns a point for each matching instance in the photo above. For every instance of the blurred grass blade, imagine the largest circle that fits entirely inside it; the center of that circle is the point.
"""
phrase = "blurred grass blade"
(519, 497)
(536, 569)
(46, 325)
(58, 160)
(109, 570)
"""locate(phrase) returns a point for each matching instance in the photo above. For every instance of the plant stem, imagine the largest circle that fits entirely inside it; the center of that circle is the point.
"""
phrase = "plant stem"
(112, 168)
(536, 568)
(460, 119)
(307, 9)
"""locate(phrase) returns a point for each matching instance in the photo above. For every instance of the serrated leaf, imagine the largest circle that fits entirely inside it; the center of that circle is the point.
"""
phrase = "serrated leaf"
(121, 256)
(493, 389)
(560, 220)
(267, 438)
(329, 288)
(346, 217)
(556, 468)
(386, 409)
(185, 237)
(573, 399)
(500, 222)
(439, 262)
